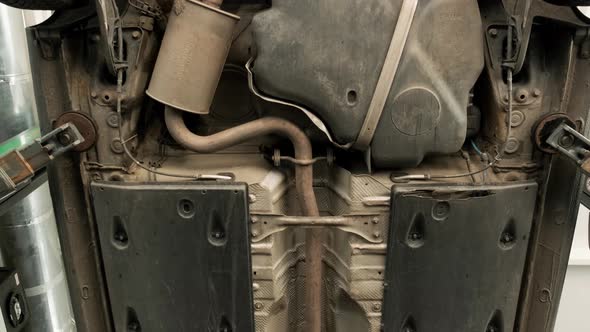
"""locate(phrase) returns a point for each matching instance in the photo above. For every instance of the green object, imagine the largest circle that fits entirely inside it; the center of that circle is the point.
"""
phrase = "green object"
(20, 140)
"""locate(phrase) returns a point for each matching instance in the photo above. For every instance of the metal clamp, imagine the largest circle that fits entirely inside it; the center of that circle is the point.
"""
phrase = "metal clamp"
(388, 71)
(18, 167)
(571, 144)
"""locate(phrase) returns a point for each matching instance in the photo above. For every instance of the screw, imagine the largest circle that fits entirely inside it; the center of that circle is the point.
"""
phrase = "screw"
(493, 33)
(258, 305)
(377, 234)
(376, 307)
(136, 34)
(536, 92)
(64, 139)
(254, 219)
(120, 236)
(566, 141)
(255, 286)
(93, 94)
(375, 220)
(113, 120)
(415, 236)
(507, 238)
(254, 233)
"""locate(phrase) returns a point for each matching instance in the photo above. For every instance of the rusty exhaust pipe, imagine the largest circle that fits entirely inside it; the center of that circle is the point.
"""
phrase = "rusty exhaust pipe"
(185, 77)
(303, 184)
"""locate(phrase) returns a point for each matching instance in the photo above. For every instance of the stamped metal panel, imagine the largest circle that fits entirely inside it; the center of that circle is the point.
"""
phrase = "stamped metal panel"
(176, 256)
(456, 256)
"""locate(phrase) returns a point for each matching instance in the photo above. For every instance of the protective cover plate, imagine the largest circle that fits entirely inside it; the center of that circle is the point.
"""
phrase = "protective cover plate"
(456, 256)
(176, 256)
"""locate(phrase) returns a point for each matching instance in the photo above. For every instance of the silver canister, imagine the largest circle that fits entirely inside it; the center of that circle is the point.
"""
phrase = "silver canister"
(192, 56)
(29, 240)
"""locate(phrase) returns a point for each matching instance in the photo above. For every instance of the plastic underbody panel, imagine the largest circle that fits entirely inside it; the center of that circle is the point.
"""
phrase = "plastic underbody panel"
(456, 255)
(176, 256)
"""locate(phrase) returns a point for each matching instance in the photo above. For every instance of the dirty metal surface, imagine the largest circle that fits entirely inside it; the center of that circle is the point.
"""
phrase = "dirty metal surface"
(176, 256)
(363, 225)
(456, 257)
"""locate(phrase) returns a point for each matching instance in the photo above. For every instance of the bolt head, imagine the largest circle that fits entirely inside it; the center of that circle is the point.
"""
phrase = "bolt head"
(64, 138)
(566, 141)
(376, 307)
(377, 234)
(258, 305)
(136, 34)
(493, 32)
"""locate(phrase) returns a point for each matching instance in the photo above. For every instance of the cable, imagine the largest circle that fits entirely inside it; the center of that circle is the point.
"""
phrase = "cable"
(477, 150)
(508, 132)
(120, 71)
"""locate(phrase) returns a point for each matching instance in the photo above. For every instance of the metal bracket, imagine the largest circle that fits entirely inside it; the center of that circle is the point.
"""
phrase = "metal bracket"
(571, 144)
(19, 166)
(366, 226)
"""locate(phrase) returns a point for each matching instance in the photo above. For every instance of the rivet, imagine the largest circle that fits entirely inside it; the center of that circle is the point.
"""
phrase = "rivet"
(258, 305)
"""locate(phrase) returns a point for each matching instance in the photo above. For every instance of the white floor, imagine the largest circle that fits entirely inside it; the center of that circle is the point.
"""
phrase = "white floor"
(574, 309)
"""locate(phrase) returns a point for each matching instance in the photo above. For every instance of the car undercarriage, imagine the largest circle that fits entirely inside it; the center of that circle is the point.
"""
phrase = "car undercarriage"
(315, 165)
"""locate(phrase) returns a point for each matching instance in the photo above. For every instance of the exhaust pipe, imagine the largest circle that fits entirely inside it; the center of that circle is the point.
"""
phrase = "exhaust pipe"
(193, 52)
(303, 183)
